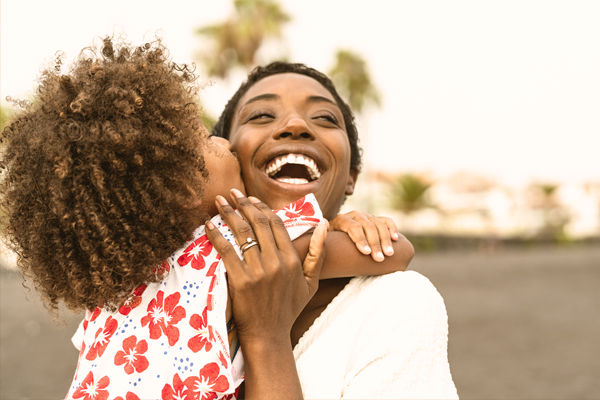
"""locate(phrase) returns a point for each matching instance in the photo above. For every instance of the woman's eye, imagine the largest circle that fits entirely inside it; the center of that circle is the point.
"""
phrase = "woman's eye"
(328, 117)
(260, 114)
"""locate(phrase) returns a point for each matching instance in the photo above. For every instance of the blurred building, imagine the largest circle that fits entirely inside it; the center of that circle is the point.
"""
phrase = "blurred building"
(465, 204)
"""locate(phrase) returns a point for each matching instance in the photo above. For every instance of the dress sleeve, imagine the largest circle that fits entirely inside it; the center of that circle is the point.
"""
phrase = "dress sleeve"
(301, 215)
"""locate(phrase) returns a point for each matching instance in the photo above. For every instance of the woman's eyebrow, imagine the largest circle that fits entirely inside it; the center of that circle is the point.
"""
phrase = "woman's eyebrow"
(265, 96)
(320, 99)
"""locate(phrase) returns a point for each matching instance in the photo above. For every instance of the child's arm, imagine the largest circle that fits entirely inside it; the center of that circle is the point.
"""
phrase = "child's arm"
(342, 258)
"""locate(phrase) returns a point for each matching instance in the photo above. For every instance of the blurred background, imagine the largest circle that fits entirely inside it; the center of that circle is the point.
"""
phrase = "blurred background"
(481, 129)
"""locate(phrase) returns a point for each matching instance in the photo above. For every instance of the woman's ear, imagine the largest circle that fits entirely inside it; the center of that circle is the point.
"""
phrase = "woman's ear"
(352, 177)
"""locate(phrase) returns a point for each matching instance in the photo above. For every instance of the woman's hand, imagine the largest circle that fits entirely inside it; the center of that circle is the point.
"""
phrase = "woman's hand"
(268, 290)
(271, 286)
(372, 235)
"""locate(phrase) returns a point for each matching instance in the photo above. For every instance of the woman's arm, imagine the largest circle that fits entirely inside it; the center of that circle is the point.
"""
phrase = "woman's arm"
(268, 290)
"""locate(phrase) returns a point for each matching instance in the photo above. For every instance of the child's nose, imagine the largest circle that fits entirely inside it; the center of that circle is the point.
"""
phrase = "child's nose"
(221, 141)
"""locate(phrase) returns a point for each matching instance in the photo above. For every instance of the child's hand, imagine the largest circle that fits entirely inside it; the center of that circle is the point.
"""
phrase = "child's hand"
(372, 235)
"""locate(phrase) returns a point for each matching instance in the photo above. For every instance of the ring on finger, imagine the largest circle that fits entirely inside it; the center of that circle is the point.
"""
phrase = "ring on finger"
(247, 244)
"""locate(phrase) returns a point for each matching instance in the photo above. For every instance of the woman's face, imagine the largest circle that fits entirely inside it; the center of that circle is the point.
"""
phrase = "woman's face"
(223, 173)
(291, 140)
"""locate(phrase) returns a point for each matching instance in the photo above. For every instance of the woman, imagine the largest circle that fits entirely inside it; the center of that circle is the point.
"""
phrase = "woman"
(369, 337)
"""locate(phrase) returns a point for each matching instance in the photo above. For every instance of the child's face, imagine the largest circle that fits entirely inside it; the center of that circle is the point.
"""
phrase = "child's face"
(224, 173)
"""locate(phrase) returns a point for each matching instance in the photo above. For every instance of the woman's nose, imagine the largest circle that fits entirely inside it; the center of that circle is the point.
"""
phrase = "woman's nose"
(221, 141)
(295, 128)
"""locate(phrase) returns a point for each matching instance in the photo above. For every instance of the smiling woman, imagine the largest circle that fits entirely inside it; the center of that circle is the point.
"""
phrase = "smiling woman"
(368, 337)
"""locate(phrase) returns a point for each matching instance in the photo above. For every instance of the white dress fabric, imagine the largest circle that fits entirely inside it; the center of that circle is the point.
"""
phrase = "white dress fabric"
(169, 340)
(383, 337)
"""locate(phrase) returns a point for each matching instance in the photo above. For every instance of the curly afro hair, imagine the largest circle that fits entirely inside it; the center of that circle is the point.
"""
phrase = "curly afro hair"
(96, 172)
(223, 126)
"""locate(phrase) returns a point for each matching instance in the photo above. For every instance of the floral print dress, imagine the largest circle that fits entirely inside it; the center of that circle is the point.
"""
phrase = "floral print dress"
(170, 339)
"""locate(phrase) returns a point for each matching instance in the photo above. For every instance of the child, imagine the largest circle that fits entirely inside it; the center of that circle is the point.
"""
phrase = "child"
(110, 176)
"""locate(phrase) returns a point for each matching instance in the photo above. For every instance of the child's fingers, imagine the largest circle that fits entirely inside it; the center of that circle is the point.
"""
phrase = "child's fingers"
(384, 235)
(392, 228)
(314, 259)
(363, 232)
(348, 224)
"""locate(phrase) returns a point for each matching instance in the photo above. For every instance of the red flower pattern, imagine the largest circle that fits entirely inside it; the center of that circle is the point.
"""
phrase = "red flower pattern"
(178, 391)
(102, 338)
(91, 389)
(195, 253)
(299, 211)
(163, 269)
(131, 355)
(299, 208)
(135, 354)
(208, 383)
(128, 396)
(134, 301)
(96, 313)
(204, 335)
(162, 318)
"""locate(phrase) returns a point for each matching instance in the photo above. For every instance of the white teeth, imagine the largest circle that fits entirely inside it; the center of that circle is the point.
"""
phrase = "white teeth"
(293, 181)
(275, 166)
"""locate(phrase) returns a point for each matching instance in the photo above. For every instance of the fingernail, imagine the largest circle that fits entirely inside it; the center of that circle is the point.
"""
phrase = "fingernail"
(390, 250)
(221, 200)
(253, 200)
(395, 236)
(367, 249)
(236, 193)
(209, 225)
(379, 255)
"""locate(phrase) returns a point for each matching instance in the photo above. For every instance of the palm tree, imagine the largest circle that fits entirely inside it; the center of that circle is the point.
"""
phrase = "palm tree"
(351, 77)
(555, 215)
(409, 193)
(237, 40)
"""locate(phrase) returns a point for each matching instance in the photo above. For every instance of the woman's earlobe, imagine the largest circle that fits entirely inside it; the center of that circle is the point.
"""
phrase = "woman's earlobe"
(352, 177)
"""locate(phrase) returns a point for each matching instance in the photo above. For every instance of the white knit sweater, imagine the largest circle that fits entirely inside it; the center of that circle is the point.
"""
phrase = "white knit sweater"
(381, 337)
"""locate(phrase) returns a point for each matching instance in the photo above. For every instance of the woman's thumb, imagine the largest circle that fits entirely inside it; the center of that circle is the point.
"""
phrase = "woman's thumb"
(315, 257)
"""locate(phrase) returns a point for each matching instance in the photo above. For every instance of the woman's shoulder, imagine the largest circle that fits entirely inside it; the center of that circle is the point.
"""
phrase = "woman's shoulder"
(404, 286)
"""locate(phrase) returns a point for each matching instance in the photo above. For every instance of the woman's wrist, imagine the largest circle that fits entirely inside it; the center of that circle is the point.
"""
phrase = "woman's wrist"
(270, 369)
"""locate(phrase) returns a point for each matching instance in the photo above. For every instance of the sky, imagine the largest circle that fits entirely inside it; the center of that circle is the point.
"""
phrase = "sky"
(505, 89)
